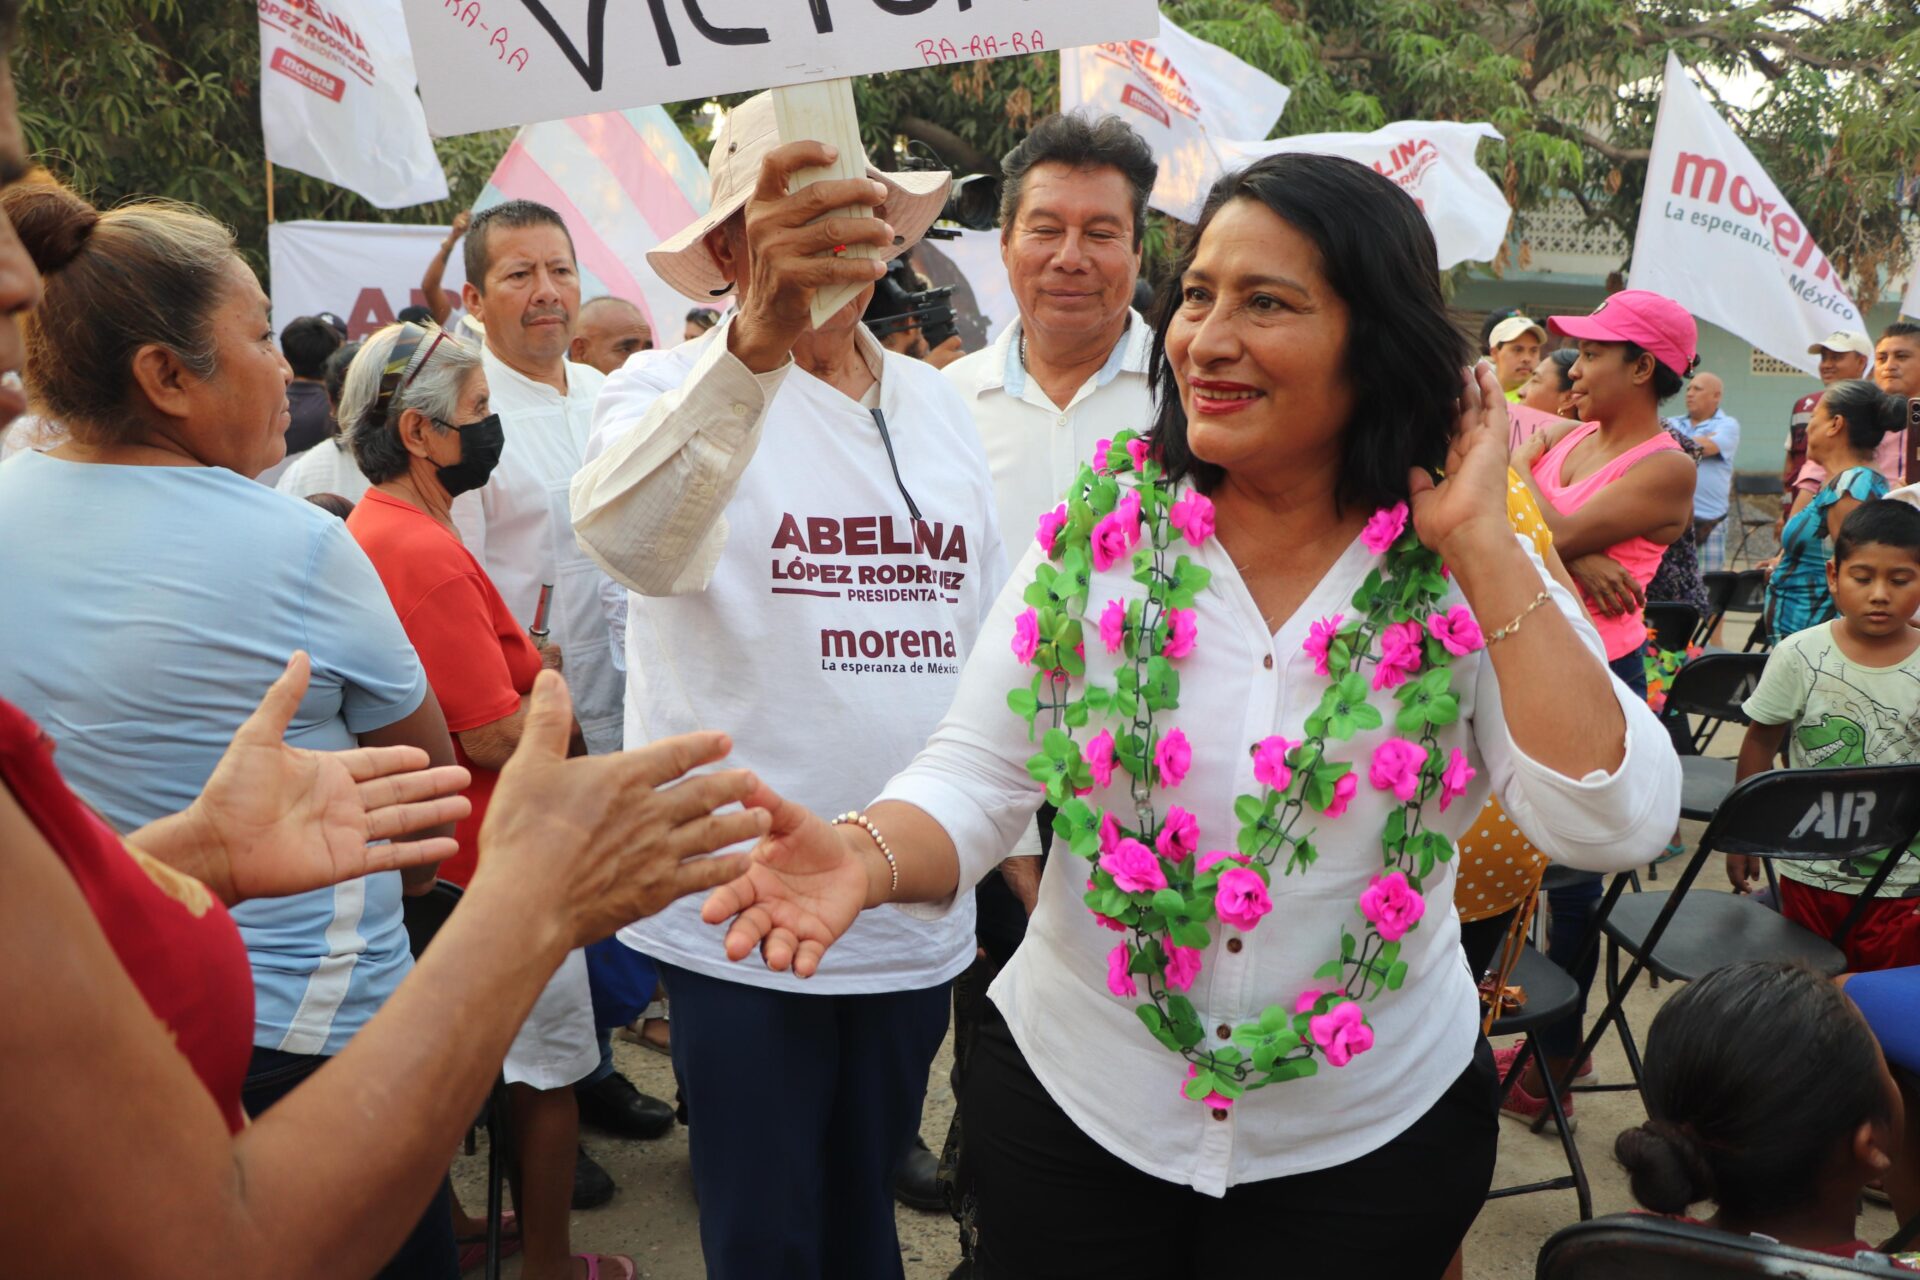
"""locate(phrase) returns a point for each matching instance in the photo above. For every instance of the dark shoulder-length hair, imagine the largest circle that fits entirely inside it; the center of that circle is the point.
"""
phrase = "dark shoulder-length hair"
(1403, 355)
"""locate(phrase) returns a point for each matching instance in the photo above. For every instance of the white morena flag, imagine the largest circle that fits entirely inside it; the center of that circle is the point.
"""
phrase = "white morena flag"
(488, 63)
(622, 181)
(1432, 161)
(364, 272)
(1910, 300)
(1183, 96)
(338, 100)
(1718, 238)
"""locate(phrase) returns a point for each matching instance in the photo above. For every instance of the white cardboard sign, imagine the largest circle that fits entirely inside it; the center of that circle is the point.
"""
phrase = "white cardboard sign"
(484, 64)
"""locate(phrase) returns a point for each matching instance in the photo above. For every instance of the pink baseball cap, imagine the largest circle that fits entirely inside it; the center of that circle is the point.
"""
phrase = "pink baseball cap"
(1655, 323)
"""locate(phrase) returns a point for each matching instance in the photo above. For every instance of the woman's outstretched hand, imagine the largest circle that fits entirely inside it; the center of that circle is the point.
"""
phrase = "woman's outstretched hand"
(803, 889)
(275, 820)
(1473, 496)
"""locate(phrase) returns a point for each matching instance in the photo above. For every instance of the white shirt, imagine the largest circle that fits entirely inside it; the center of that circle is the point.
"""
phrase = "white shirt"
(518, 528)
(328, 467)
(1087, 1046)
(1034, 447)
(783, 593)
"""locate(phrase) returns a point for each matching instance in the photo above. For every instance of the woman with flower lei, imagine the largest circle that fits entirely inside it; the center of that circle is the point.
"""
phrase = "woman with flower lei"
(1266, 665)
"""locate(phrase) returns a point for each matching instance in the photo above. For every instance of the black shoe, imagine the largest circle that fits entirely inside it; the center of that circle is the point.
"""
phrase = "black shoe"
(614, 1106)
(592, 1185)
(916, 1183)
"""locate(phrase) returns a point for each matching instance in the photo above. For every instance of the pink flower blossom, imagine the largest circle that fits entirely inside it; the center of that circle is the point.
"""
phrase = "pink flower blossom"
(1307, 1000)
(1219, 1100)
(1384, 528)
(1181, 633)
(1109, 832)
(1320, 638)
(1270, 762)
(1179, 835)
(1341, 1032)
(1026, 636)
(1113, 626)
(1400, 654)
(1213, 856)
(1051, 523)
(1391, 906)
(1172, 757)
(1133, 867)
(1137, 449)
(1456, 630)
(1117, 533)
(1396, 767)
(1183, 966)
(1241, 898)
(1119, 981)
(1192, 515)
(1454, 778)
(1100, 448)
(1108, 922)
(1344, 790)
(1099, 758)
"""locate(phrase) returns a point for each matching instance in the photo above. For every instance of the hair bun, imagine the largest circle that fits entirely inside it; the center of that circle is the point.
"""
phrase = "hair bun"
(1665, 1166)
(1893, 413)
(51, 220)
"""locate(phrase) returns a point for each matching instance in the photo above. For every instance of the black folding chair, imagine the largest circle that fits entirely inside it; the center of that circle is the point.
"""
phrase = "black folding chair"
(423, 916)
(1711, 687)
(1672, 624)
(1789, 814)
(1633, 1246)
(1551, 995)
(1750, 596)
(1754, 516)
(1720, 584)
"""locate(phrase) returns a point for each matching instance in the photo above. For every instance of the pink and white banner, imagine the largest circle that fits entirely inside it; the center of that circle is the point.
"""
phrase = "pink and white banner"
(1433, 161)
(1183, 96)
(365, 272)
(623, 181)
(1717, 236)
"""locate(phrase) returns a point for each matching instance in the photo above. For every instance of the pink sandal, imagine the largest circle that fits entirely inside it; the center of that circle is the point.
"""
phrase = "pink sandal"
(628, 1271)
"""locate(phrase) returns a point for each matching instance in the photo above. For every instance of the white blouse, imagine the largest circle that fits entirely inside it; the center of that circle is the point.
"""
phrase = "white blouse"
(1241, 684)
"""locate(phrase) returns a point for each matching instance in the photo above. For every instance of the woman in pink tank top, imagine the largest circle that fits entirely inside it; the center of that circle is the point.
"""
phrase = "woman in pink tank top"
(1616, 490)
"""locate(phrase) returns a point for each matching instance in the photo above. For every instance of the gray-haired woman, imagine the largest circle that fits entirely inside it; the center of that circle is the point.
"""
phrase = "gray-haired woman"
(415, 414)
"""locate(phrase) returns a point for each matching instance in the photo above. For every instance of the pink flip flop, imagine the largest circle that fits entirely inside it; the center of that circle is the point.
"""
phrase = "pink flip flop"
(628, 1271)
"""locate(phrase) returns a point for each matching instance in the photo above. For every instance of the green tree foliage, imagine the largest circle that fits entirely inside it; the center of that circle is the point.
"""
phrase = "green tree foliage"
(1828, 94)
(127, 98)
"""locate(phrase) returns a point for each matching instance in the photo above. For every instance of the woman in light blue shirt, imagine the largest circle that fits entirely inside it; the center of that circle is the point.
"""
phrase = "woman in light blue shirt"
(155, 591)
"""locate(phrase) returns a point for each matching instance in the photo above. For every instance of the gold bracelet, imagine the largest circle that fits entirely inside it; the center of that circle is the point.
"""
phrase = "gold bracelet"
(1514, 626)
(854, 817)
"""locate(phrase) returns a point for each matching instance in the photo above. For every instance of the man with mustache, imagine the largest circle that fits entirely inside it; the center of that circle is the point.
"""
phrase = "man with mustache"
(523, 285)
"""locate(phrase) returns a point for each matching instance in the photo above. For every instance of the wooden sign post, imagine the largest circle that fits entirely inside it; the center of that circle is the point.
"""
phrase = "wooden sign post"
(823, 111)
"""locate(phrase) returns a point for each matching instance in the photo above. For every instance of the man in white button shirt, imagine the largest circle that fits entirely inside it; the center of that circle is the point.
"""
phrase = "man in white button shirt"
(805, 521)
(1070, 371)
(523, 285)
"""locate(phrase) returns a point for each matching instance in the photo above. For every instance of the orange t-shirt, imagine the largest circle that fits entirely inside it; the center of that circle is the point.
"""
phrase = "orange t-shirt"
(479, 661)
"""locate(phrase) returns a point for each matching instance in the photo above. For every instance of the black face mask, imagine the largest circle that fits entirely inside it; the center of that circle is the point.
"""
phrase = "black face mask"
(480, 446)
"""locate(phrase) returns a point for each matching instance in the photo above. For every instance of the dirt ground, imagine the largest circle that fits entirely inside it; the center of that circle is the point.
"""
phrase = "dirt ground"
(653, 1219)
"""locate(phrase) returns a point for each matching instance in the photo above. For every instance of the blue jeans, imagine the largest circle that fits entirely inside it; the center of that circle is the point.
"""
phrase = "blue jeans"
(801, 1108)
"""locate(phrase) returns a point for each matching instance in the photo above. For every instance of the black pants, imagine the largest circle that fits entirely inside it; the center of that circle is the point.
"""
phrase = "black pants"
(1056, 1206)
(429, 1252)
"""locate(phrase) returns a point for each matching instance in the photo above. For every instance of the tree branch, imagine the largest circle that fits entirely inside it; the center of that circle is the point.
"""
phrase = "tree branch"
(1619, 155)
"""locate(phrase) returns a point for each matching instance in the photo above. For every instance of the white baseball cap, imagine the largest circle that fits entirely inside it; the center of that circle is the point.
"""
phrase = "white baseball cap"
(750, 131)
(1512, 327)
(1843, 341)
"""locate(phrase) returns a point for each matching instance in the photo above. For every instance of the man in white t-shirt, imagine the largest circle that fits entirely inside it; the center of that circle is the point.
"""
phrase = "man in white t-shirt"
(523, 286)
(805, 521)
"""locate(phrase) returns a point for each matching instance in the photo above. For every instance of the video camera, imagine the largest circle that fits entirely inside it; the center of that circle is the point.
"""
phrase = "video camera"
(899, 301)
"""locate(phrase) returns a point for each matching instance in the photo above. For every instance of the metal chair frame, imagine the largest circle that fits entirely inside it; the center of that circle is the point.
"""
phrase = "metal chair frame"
(1636, 1246)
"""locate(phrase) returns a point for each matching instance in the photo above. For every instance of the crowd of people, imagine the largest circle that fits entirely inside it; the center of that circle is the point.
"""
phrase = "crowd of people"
(788, 678)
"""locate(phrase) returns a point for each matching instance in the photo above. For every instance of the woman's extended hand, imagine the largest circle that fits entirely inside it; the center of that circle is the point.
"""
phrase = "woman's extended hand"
(275, 820)
(802, 890)
(1473, 496)
(612, 838)
(1607, 583)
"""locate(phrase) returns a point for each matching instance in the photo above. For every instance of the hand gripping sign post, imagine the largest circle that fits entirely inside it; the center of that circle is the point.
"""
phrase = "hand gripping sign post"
(488, 63)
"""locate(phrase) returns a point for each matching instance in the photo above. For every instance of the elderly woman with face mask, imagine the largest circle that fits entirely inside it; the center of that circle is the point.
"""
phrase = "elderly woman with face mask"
(415, 414)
